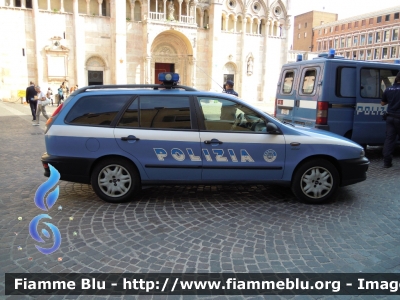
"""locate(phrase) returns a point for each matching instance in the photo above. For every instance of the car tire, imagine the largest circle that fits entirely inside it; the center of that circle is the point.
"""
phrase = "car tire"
(315, 181)
(115, 180)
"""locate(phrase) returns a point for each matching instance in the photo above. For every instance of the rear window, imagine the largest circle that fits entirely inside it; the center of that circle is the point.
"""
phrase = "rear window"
(309, 82)
(288, 82)
(96, 110)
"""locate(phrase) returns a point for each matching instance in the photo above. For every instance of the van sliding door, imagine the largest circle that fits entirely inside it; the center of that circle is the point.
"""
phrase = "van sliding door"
(368, 126)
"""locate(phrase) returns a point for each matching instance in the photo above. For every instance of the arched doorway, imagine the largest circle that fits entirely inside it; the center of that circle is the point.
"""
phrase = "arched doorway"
(229, 72)
(95, 67)
(171, 51)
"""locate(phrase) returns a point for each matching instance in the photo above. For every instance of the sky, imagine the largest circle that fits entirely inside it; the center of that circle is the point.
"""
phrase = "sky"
(344, 8)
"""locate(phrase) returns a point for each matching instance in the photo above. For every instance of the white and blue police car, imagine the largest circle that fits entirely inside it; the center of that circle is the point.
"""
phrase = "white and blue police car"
(121, 137)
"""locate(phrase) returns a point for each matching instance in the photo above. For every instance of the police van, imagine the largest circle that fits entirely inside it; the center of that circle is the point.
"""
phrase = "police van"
(336, 94)
(121, 137)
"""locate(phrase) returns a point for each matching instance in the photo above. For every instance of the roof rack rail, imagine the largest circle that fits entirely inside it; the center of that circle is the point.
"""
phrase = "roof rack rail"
(132, 86)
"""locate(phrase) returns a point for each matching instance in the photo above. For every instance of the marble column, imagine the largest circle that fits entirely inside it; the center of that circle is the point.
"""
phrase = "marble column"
(234, 23)
(62, 5)
(180, 10)
(216, 60)
(195, 11)
(132, 2)
(165, 9)
(148, 67)
(23, 3)
(79, 49)
(226, 22)
(48, 5)
(38, 37)
(118, 19)
(100, 7)
(243, 64)
(88, 7)
(201, 18)
(265, 73)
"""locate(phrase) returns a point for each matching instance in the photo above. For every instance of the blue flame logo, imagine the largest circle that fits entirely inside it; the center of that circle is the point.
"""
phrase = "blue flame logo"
(45, 187)
(40, 203)
(35, 235)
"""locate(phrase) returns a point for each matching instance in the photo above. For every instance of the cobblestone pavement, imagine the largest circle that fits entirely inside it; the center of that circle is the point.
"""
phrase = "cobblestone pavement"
(194, 228)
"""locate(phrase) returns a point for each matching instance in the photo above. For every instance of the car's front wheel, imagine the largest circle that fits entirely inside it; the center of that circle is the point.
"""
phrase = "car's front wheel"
(115, 180)
(315, 181)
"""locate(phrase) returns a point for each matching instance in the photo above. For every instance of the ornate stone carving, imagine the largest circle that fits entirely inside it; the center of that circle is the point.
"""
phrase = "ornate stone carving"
(171, 11)
(250, 63)
(95, 61)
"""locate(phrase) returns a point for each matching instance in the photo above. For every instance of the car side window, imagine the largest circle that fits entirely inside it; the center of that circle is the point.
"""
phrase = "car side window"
(226, 115)
(164, 112)
(130, 117)
(96, 110)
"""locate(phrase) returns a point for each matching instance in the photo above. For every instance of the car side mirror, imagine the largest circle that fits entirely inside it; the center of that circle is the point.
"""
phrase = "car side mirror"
(272, 128)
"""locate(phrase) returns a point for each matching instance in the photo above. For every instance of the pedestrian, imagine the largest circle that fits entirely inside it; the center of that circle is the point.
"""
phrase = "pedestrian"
(49, 95)
(30, 95)
(65, 90)
(229, 88)
(41, 105)
(60, 95)
(391, 98)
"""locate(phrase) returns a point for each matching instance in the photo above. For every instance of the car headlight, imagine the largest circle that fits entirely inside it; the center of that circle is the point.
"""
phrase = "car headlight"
(362, 153)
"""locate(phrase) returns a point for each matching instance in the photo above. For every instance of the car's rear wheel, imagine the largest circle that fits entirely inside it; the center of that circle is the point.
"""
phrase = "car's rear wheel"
(115, 180)
(315, 181)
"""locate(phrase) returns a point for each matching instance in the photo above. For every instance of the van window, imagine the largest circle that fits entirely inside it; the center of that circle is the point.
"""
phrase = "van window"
(369, 83)
(346, 82)
(288, 82)
(375, 81)
(309, 81)
(387, 78)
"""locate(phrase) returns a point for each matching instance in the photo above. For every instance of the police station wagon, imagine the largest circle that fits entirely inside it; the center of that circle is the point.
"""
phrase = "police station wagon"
(119, 138)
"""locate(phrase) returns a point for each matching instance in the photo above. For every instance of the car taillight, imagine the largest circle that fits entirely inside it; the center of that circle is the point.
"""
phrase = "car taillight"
(276, 104)
(50, 120)
(322, 113)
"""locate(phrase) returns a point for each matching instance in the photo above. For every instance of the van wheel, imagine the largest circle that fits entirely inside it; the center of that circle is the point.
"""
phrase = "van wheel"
(115, 180)
(315, 181)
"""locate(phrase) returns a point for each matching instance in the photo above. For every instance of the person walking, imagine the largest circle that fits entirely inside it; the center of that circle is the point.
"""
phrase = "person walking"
(49, 95)
(30, 95)
(60, 95)
(229, 88)
(391, 98)
(41, 105)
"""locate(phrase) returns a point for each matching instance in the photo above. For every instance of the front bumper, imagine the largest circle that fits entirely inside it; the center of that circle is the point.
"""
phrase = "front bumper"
(353, 170)
(74, 169)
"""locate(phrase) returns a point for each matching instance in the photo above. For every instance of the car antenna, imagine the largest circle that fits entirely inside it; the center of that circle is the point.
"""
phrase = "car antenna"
(209, 77)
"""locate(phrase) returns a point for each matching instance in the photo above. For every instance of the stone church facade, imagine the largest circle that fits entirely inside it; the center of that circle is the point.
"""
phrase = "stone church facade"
(88, 42)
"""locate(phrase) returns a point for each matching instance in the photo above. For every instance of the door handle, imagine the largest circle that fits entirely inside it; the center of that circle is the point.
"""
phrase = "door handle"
(130, 138)
(213, 141)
